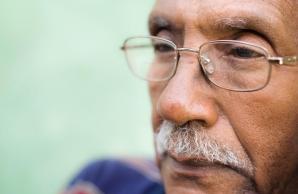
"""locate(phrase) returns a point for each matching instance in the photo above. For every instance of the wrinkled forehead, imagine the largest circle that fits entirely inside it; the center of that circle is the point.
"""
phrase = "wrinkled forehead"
(284, 8)
(274, 18)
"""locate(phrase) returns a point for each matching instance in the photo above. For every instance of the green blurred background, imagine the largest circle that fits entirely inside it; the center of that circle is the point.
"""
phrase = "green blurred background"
(66, 94)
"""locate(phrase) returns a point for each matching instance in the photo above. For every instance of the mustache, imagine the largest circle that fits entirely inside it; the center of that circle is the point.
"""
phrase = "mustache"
(191, 141)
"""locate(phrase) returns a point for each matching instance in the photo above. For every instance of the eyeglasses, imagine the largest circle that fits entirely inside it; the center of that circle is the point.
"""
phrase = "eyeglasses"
(228, 64)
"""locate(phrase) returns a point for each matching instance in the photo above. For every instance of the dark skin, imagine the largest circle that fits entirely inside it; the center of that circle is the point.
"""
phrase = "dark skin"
(263, 124)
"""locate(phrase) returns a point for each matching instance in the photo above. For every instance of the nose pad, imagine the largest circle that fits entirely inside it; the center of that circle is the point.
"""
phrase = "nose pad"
(208, 66)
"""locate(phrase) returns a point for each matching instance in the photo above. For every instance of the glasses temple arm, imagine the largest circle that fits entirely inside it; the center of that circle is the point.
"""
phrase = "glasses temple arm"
(284, 60)
(134, 47)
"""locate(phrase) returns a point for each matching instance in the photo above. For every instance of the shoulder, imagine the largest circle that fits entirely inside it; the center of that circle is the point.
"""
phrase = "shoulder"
(117, 176)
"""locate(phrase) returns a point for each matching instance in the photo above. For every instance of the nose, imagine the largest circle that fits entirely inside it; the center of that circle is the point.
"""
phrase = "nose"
(188, 96)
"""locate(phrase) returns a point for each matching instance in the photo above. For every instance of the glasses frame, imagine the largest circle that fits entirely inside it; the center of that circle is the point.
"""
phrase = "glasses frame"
(280, 60)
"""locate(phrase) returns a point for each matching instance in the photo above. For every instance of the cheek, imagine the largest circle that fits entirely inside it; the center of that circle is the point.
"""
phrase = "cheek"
(267, 128)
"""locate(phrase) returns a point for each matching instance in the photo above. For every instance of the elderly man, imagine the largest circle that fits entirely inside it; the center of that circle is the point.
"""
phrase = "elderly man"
(222, 78)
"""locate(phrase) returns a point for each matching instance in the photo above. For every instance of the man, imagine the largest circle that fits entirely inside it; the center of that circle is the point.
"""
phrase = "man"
(222, 78)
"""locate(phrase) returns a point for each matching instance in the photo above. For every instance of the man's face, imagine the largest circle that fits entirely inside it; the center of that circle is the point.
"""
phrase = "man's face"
(255, 132)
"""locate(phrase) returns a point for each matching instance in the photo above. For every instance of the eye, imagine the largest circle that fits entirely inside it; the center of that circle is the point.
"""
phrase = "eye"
(244, 53)
(163, 48)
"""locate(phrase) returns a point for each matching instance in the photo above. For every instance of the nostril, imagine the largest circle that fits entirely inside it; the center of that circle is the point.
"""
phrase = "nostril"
(194, 124)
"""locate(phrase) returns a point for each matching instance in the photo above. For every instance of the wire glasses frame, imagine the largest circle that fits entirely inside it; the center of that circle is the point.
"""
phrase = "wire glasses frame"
(229, 64)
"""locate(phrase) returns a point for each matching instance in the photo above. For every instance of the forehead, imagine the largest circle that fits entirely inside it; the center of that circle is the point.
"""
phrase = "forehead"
(275, 18)
(284, 6)
(191, 10)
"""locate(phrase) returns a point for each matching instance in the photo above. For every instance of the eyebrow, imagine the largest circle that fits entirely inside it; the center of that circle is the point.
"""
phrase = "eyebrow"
(231, 23)
(255, 24)
(157, 23)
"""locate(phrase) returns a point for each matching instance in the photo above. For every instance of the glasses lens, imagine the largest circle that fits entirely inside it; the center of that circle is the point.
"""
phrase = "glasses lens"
(235, 66)
(150, 58)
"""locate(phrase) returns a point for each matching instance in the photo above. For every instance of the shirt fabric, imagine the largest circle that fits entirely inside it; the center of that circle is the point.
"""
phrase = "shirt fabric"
(117, 176)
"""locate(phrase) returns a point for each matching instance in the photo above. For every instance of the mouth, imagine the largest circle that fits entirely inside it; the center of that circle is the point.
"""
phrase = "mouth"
(198, 167)
(199, 174)
(191, 168)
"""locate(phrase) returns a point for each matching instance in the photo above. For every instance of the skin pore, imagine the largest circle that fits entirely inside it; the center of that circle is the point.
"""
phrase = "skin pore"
(260, 125)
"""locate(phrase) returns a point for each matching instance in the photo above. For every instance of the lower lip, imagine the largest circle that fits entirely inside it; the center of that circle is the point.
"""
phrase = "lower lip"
(186, 170)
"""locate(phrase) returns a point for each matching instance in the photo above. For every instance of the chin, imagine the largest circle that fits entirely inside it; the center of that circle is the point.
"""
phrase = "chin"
(200, 177)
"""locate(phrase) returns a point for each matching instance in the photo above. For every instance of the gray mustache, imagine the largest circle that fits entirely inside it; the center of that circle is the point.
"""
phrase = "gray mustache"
(191, 141)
